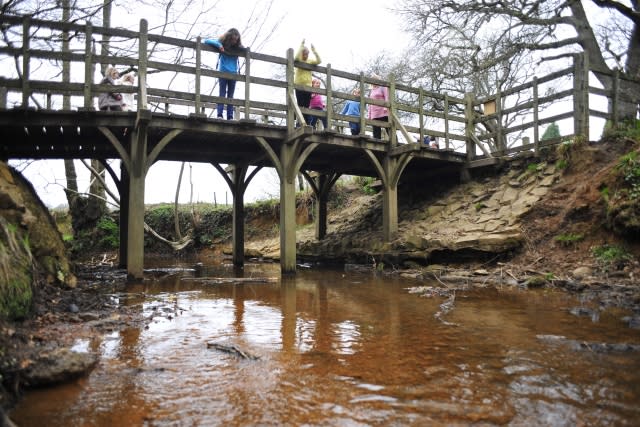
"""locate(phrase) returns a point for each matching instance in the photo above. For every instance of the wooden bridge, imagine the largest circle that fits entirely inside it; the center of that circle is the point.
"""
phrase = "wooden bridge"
(55, 118)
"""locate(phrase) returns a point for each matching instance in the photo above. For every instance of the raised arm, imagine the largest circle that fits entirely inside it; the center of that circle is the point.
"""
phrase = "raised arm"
(315, 53)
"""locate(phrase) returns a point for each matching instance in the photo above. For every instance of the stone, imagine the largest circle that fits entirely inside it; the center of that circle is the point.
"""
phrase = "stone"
(510, 195)
(493, 226)
(582, 272)
(59, 366)
(548, 181)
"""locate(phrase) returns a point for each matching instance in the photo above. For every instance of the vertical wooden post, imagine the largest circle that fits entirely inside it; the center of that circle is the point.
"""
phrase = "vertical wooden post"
(247, 84)
(238, 186)
(421, 114)
(363, 106)
(287, 210)
(321, 186)
(26, 61)
(393, 134)
(329, 99)
(469, 127)
(321, 206)
(389, 200)
(3, 97)
(615, 98)
(135, 239)
(446, 121)
(198, 91)
(502, 145)
(66, 66)
(291, 115)
(124, 215)
(138, 152)
(88, 66)
(581, 95)
(142, 65)
(536, 127)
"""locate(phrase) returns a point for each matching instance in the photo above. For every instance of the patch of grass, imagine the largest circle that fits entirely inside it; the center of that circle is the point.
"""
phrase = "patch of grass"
(624, 129)
(533, 167)
(611, 256)
(568, 239)
(479, 206)
(604, 192)
(365, 183)
(562, 164)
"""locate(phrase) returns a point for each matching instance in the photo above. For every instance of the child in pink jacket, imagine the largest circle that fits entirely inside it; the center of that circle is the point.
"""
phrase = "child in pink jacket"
(377, 112)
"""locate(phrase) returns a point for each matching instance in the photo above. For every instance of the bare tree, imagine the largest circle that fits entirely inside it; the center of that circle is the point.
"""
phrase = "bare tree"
(470, 37)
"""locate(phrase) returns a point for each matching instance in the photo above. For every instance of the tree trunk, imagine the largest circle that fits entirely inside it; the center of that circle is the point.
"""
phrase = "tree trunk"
(628, 105)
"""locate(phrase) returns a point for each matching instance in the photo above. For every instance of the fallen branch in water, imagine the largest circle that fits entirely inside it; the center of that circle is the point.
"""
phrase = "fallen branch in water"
(232, 349)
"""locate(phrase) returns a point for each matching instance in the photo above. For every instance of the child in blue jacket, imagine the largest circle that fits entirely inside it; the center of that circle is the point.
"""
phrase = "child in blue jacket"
(229, 42)
(352, 108)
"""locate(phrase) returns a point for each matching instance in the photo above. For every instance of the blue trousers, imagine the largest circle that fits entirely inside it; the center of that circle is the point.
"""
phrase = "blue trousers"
(227, 88)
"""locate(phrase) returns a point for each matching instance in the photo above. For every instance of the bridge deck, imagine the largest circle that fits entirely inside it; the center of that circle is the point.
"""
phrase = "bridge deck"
(51, 134)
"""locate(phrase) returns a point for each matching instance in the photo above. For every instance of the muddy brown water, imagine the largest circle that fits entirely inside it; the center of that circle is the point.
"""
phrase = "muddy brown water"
(341, 348)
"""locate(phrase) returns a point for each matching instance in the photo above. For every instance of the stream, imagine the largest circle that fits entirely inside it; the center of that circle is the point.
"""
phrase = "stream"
(329, 347)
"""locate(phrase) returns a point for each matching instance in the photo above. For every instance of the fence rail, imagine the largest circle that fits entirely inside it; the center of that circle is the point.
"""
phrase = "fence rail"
(481, 127)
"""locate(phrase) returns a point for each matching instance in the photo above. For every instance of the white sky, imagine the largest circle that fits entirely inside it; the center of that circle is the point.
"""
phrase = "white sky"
(345, 34)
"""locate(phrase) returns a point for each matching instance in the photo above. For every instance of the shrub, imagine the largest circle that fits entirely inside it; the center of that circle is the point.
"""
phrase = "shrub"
(109, 233)
(611, 256)
(629, 167)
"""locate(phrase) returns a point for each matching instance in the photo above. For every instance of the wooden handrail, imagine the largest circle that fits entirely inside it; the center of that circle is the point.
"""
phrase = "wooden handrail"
(415, 112)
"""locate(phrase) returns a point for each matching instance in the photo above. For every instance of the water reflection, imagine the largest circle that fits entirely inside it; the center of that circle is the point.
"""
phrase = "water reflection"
(344, 349)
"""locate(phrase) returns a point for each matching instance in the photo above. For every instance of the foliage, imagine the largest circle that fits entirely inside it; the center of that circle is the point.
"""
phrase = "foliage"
(562, 164)
(109, 233)
(625, 129)
(478, 206)
(611, 256)
(551, 132)
(567, 149)
(569, 239)
(533, 167)
(629, 167)
(365, 182)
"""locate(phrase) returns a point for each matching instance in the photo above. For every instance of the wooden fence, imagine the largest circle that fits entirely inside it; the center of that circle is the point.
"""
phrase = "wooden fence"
(482, 127)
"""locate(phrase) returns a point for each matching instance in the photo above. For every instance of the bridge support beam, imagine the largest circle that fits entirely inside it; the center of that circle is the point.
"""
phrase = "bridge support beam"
(321, 184)
(138, 170)
(237, 231)
(288, 209)
(389, 170)
(124, 215)
(237, 180)
(389, 199)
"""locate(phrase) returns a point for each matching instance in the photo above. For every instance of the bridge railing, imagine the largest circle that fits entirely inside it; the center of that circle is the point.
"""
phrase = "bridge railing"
(177, 76)
(58, 61)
